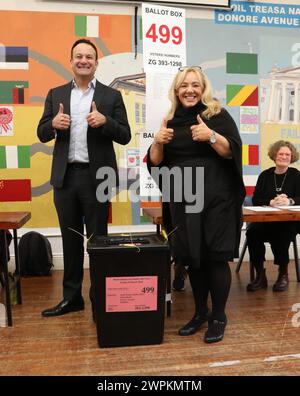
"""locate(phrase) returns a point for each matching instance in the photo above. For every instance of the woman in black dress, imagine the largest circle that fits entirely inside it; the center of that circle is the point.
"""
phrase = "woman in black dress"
(199, 134)
(276, 186)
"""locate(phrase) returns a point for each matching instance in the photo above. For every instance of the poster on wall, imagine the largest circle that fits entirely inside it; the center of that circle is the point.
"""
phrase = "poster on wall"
(249, 121)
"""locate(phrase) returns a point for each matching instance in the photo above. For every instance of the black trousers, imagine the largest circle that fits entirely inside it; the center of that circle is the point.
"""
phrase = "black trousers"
(76, 205)
(278, 234)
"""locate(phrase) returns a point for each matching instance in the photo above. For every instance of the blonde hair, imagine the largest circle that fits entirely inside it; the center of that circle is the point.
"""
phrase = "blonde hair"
(275, 147)
(213, 105)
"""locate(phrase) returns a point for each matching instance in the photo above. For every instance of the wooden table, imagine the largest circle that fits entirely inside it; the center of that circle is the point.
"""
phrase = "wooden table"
(12, 221)
(249, 216)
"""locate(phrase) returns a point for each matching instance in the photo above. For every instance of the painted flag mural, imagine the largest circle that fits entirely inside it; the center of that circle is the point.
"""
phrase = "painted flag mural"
(15, 190)
(250, 154)
(249, 119)
(242, 95)
(86, 26)
(6, 121)
(13, 157)
(13, 57)
(13, 92)
(239, 63)
(250, 183)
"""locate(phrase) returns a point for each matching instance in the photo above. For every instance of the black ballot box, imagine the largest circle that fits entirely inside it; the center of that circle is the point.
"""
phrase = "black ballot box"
(128, 277)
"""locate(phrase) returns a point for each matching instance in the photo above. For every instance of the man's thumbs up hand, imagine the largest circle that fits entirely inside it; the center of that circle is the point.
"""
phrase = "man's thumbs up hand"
(61, 121)
(95, 119)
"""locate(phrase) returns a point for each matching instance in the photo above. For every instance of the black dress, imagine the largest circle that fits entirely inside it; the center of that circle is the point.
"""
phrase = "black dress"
(214, 233)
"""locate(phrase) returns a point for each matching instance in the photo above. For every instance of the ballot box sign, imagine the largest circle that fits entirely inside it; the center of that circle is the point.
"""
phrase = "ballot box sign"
(164, 51)
(131, 293)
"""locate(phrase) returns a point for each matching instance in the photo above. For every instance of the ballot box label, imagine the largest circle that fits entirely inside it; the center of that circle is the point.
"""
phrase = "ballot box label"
(131, 293)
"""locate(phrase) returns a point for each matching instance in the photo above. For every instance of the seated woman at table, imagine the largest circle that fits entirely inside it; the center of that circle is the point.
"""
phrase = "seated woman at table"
(276, 186)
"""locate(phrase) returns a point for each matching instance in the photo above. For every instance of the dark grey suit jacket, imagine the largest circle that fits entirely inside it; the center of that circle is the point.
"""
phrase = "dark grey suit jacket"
(99, 140)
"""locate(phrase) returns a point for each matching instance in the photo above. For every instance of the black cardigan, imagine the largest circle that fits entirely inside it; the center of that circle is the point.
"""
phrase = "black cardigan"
(265, 187)
(223, 124)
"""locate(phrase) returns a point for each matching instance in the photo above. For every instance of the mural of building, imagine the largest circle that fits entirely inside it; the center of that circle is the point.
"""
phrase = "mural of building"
(284, 101)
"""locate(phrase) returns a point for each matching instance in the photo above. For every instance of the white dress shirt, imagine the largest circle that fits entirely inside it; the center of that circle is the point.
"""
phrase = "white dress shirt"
(80, 107)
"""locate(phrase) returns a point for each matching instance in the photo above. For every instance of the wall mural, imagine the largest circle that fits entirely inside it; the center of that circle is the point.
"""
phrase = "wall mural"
(34, 57)
(255, 74)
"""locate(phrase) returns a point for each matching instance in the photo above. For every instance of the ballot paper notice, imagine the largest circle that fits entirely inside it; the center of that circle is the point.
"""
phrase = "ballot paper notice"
(262, 208)
(131, 293)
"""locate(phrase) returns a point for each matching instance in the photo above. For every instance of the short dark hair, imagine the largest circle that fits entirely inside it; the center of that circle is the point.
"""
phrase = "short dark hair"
(84, 41)
(275, 147)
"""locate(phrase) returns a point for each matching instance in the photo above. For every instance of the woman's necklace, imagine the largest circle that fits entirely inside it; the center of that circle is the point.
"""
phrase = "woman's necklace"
(279, 189)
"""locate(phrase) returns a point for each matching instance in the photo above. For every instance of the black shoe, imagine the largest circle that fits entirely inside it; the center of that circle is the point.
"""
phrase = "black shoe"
(64, 307)
(215, 331)
(260, 282)
(194, 324)
(282, 283)
(178, 283)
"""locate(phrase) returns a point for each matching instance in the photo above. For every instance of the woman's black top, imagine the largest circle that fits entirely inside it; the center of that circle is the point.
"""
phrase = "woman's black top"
(214, 233)
(268, 181)
(288, 183)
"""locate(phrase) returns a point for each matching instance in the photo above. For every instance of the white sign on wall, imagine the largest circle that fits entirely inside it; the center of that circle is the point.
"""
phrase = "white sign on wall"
(164, 51)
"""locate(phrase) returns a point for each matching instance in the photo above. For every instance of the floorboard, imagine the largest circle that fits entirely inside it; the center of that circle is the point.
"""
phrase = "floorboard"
(260, 338)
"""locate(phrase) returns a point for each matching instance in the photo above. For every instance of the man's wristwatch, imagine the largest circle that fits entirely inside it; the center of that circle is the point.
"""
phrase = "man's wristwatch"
(292, 202)
(213, 137)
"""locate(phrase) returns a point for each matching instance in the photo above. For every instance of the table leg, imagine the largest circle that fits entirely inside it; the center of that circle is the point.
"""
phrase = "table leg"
(169, 302)
(157, 229)
(6, 281)
(18, 269)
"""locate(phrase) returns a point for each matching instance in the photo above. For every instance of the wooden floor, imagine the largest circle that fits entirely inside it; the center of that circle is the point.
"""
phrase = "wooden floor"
(260, 338)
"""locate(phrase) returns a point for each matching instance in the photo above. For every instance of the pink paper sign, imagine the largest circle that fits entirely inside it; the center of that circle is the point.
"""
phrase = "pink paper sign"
(131, 293)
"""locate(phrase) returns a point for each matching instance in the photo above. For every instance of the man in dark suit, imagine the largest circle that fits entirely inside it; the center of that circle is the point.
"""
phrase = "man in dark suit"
(84, 117)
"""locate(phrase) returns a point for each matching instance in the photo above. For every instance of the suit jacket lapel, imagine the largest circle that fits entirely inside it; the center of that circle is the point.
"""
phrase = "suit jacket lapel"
(98, 97)
(66, 98)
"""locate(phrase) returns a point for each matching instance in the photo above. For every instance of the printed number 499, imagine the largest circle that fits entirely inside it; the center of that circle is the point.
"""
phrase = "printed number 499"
(164, 34)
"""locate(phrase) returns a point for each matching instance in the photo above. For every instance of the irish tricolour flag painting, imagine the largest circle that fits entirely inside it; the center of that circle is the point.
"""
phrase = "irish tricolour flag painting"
(86, 26)
(14, 157)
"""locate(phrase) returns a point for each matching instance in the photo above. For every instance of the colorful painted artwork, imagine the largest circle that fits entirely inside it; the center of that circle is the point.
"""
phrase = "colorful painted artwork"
(32, 61)
(13, 57)
(13, 157)
(255, 80)
(242, 95)
(250, 154)
(241, 63)
(15, 190)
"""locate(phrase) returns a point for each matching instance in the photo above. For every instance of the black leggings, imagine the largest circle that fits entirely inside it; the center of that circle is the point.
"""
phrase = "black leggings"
(212, 277)
(279, 235)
